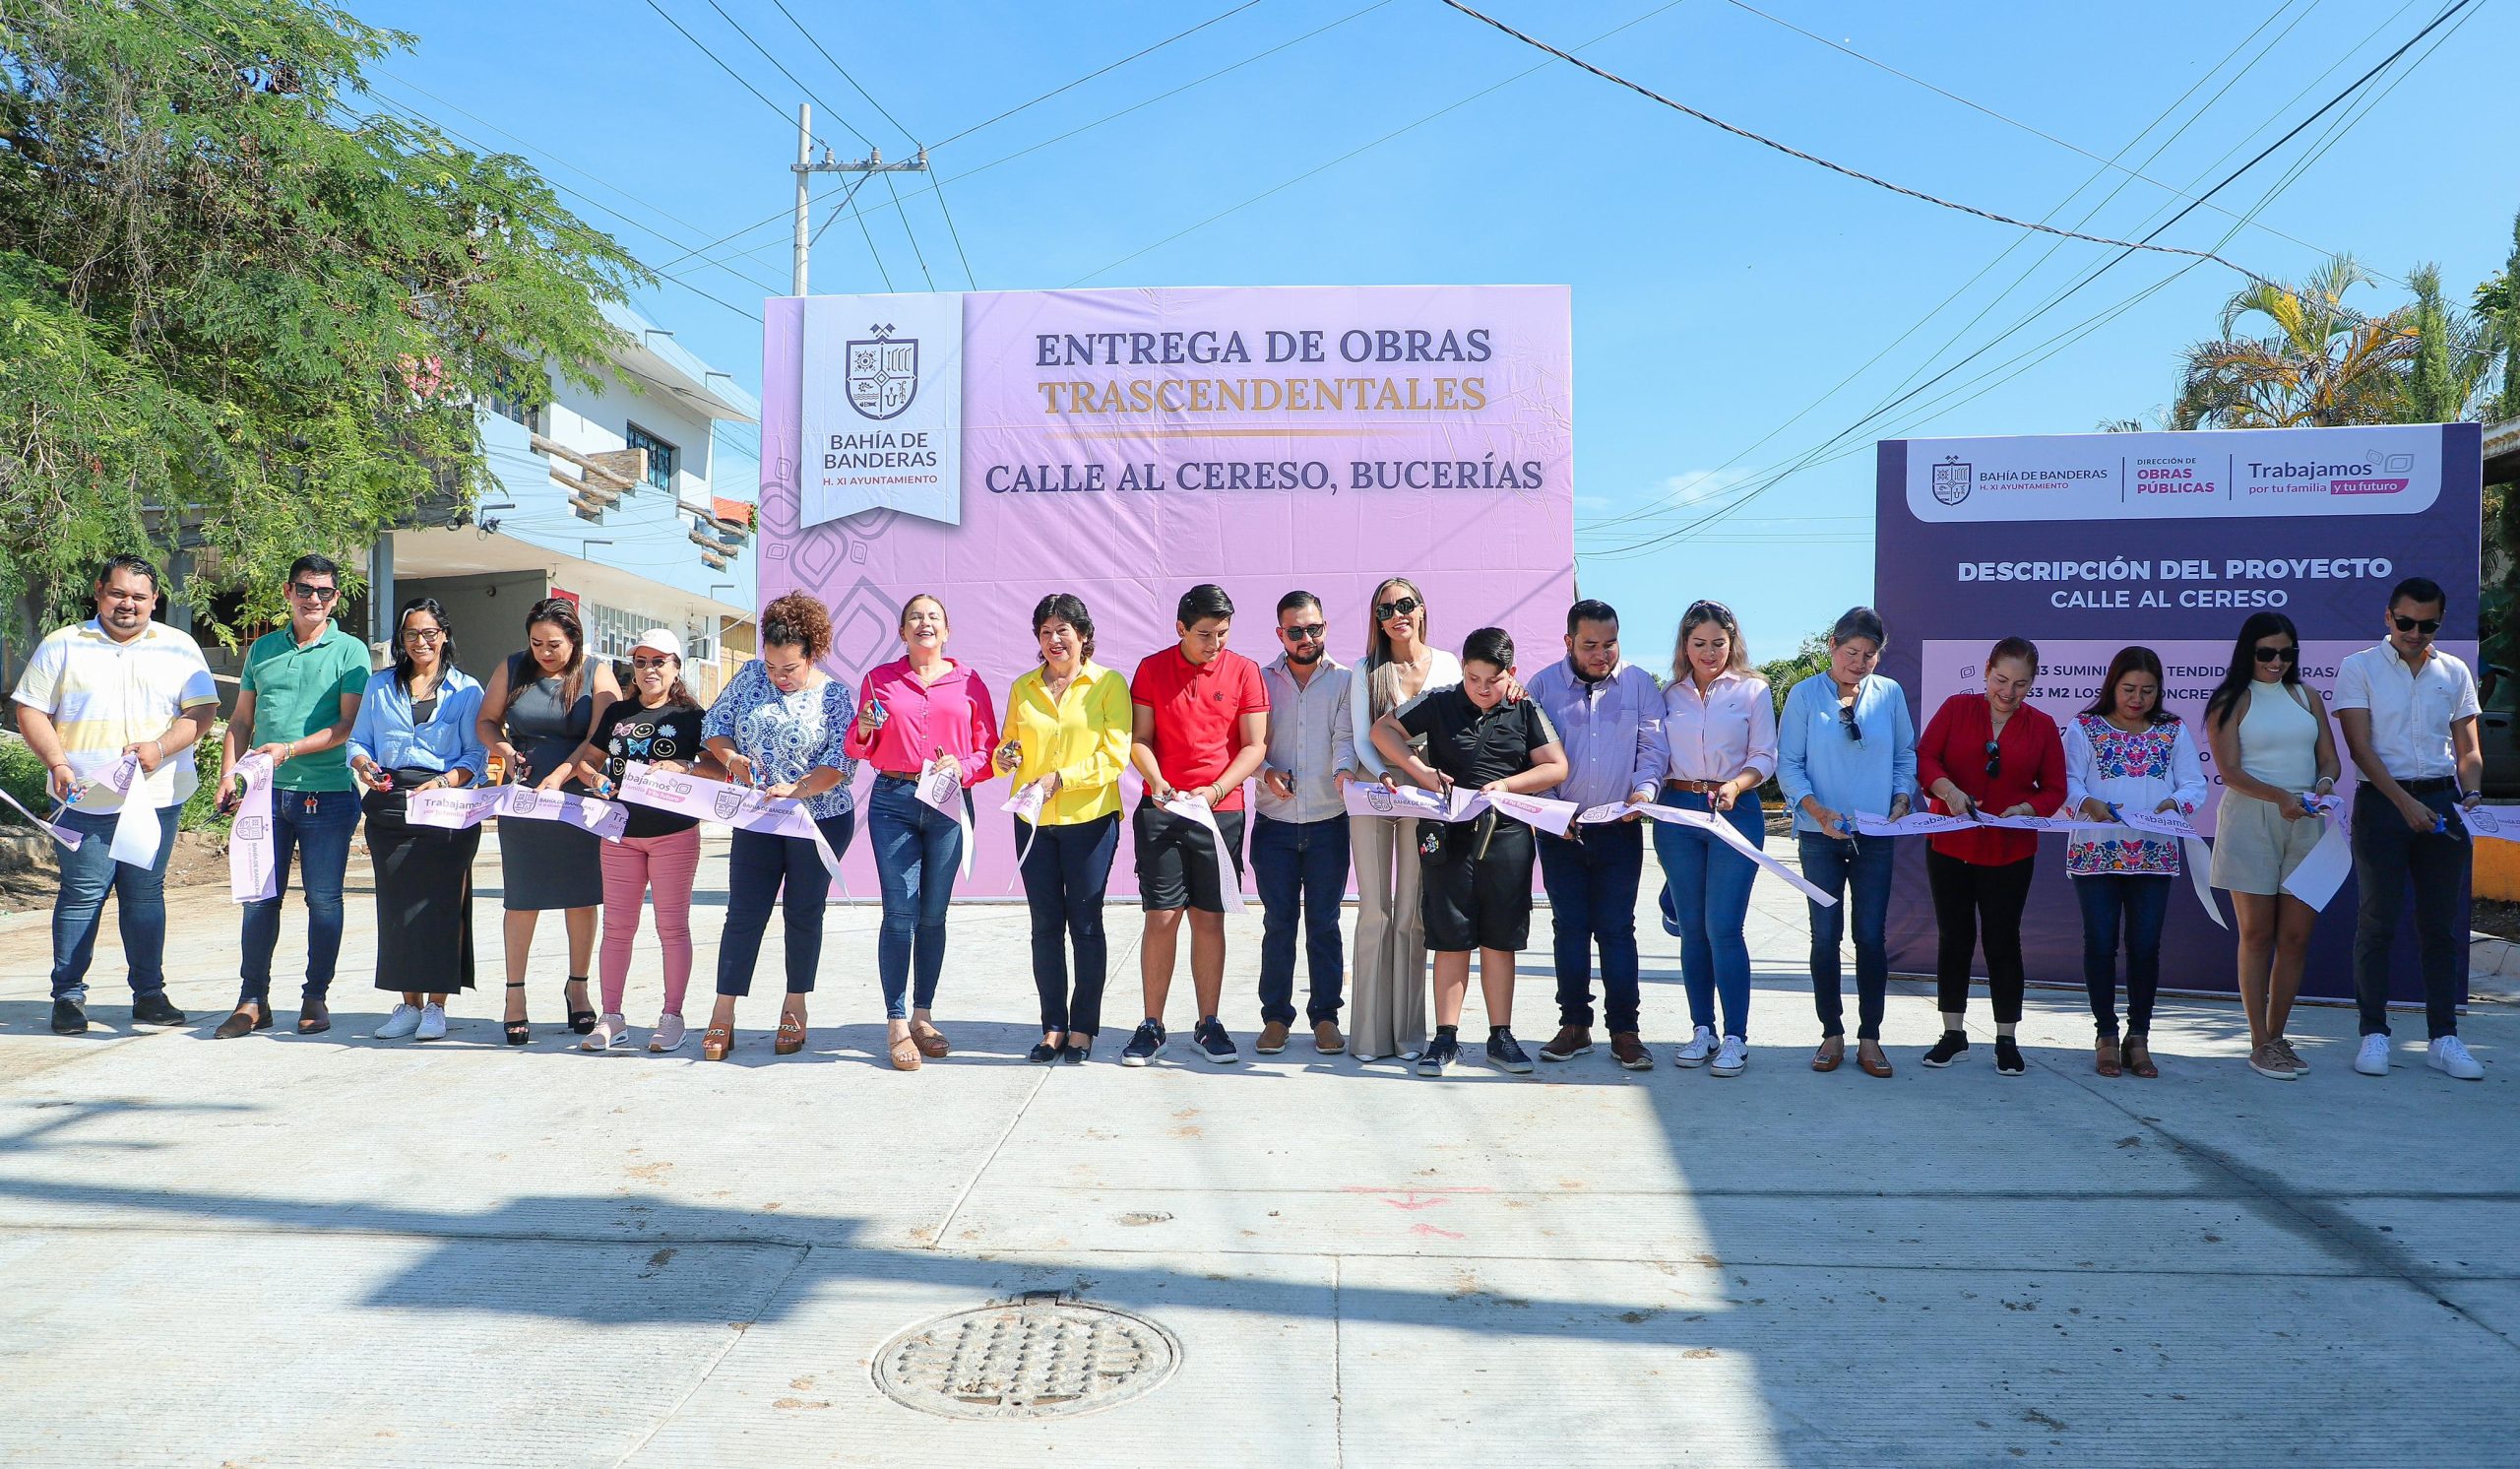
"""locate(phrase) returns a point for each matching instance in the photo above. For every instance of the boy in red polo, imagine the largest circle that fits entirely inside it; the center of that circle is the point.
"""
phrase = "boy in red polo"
(1202, 729)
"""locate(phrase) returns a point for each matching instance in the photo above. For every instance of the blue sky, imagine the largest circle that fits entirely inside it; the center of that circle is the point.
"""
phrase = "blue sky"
(1736, 309)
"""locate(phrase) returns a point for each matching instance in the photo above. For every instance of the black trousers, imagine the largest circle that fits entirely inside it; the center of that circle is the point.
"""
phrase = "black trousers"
(1064, 877)
(2388, 854)
(1974, 906)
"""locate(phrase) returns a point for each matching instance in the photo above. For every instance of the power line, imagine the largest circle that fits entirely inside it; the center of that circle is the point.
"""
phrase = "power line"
(2008, 121)
(843, 76)
(810, 94)
(2356, 86)
(1792, 151)
(740, 79)
(1099, 70)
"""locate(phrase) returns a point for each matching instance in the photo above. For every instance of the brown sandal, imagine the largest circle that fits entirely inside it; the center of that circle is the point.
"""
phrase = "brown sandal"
(2139, 1058)
(904, 1055)
(716, 1041)
(791, 1036)
(2105, 1055)
(929, 1040)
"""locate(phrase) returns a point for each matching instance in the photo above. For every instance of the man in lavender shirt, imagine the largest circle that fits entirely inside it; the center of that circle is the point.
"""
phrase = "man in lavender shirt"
(1608, 714)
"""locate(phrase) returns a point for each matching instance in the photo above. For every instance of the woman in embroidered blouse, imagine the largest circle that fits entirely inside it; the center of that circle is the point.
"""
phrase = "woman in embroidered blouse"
(1990, 752)
(781, 728)
(1720, 722)
(921, 708)
(2126, 753)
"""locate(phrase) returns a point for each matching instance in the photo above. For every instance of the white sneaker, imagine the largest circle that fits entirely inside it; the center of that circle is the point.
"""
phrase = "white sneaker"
(1730, 1060)
(2373, 1058)
(405, 1021)
(1694, 1053)
(432, 1026)
(2450, 1053)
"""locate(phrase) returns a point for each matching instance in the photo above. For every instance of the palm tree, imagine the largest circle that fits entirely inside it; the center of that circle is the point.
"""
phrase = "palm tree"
(2323, 365)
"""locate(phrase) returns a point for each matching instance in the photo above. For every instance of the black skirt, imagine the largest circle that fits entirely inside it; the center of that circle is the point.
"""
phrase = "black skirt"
(423, 899)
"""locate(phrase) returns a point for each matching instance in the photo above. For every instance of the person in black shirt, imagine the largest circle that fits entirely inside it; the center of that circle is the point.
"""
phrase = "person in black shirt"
(657, 722)
(1475, 891)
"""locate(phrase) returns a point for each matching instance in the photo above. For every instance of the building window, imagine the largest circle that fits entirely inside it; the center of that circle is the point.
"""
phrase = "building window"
(611, 632)
(661, 457)
(520, 398)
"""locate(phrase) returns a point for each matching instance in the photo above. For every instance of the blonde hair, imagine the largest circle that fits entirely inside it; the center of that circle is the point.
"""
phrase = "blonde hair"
(1700, 613)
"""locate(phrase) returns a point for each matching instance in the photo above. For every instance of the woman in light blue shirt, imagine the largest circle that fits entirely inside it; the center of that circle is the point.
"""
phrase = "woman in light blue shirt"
(415, 733)
(1847, 744)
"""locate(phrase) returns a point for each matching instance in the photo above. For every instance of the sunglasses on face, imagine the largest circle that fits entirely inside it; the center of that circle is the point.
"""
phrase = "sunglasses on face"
(1384, 611)
(645, 663)
(1309, 632)
(2426, 626)
(2279, 655)
(1994, 760)
(305, 592)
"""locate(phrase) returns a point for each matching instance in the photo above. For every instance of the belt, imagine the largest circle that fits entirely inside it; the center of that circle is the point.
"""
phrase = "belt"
(888, 775)
(2427, 785)
(1694, 788)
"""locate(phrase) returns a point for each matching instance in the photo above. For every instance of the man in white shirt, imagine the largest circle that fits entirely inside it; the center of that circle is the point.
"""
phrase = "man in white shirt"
(2409, 712)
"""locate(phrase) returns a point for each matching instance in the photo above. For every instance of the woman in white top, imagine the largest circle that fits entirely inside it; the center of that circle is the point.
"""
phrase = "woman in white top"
(1387, 977)
(2270, 738)
(1720, 722)
(2126, 753)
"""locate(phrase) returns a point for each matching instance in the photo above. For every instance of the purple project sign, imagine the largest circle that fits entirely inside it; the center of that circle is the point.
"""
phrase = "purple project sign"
(2083, 543)
(995, 447)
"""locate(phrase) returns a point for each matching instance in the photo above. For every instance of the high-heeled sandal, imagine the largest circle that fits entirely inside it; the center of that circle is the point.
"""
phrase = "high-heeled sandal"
(716, 1041)
(517, 1031)
(2104, 1057)
(904, 1055)
(792, 1035)
(2139, 1058)
(581, 1021)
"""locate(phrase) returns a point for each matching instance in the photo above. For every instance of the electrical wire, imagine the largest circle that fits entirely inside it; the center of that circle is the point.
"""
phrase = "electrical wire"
(1097, 72)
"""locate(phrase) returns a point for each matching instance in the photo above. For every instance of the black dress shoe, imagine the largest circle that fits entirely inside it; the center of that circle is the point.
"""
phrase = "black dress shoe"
(1043, 1055)
(68, 1019)
(241, 1023)
(313, 1018)
(155, 1009)
(1075, 1055)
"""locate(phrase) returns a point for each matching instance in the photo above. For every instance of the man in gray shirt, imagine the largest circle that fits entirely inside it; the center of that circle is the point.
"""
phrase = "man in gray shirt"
(1299, 837)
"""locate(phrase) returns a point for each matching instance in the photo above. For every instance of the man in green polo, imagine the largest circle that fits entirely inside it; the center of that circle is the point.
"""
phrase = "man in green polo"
(295, 703)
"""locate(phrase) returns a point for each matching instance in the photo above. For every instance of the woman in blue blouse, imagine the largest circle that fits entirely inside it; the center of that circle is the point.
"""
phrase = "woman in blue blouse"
(779, 728)
(415, 733)
(1845, 743)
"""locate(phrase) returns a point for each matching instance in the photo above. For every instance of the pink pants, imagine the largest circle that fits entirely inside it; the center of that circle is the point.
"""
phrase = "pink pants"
(631, 867)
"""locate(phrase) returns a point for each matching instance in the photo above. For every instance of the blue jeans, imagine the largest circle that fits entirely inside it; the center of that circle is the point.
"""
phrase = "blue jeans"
(1833, 867)
(917, 851)
(2139, 902)
(763, 871)
(1592, 899)
(1706, 899)
(86, 876)
(1302, 869)
(315, 827)
(1065, 871)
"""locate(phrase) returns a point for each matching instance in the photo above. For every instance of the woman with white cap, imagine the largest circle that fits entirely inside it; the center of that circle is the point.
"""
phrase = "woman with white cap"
(657, 724)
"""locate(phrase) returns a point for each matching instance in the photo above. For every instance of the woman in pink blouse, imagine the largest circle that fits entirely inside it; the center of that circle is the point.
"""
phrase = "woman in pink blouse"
(1720, 726)
(920, 714)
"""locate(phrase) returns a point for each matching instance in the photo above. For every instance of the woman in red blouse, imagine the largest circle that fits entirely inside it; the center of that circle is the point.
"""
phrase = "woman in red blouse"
(1989, 753)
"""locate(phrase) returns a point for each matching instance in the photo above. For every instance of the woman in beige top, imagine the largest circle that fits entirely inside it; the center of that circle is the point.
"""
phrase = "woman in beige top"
(1387, 977)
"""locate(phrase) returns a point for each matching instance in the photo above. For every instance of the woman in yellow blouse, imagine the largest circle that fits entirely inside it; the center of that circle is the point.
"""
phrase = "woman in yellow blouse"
(1067, 741)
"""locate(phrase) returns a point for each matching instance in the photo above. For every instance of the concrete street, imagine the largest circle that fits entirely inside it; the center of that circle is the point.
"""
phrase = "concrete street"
(339, 1251)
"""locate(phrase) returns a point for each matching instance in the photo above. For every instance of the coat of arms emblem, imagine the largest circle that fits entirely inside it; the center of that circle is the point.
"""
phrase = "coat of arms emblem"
(883, 374)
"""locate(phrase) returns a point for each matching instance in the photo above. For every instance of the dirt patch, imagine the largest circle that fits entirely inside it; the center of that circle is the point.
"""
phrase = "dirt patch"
(2497, 918)
(201, 859)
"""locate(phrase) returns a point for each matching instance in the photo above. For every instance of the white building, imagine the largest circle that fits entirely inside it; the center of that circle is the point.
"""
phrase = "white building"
(609, 495)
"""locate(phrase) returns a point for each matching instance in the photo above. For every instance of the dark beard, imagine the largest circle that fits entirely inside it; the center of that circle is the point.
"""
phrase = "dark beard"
(1303, 661)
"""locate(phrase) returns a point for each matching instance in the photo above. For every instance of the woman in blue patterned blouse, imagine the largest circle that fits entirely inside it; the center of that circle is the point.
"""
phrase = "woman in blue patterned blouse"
(779, 728)
(2126, 753)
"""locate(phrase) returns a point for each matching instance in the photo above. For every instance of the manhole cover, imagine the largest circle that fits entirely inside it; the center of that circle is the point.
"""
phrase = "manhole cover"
(1040, 1357)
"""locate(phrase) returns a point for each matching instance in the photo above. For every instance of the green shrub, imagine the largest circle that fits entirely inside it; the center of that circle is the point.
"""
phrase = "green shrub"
(22, 775)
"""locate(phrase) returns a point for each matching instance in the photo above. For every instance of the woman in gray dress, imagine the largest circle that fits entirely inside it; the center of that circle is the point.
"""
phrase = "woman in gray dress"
(534, 714)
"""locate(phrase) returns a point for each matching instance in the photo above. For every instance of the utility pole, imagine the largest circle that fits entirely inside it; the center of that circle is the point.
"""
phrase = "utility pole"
(805, 169)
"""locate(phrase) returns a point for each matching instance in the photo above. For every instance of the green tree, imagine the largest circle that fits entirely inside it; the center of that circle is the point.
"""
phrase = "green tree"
(2322, 365)
(2498, 304)
(240, 318)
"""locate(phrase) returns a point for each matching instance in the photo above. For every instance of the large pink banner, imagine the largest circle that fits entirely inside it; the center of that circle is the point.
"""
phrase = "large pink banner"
(1124, 445)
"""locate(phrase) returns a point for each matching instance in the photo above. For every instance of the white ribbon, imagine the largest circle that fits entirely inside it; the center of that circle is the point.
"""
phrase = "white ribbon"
(1458, 804)
(1722, 830)
(705, 799)
(137, 835)
(1228, 876)
(1027, 803)
(66, 836)
(940, 786)
(454, 808)
(253, 870)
